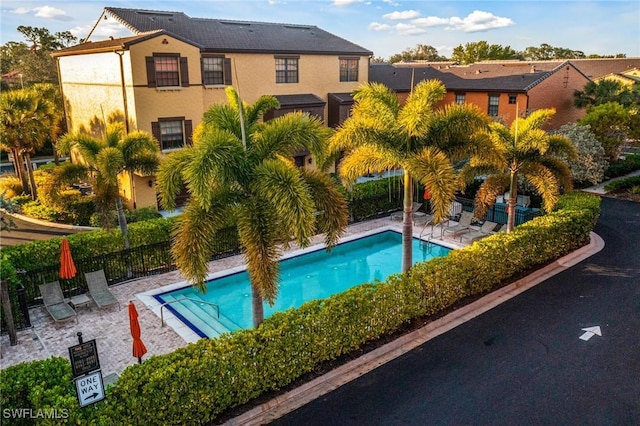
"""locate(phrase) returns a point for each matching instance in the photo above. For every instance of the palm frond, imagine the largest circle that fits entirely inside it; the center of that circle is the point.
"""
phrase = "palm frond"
(434, 169)
(137, 142)
(286, 134)
(562, 146)
(417, 113)
(170, 178)
(545, 183)
(87, 146)
(222, 117)
(258, 234)
(492, 186)
(372, 97)
(332, 213)
(261, 106)
(114, 134)
(368, 158)
(192, 240)
(110, 163)
(216, 162)
(282, 187)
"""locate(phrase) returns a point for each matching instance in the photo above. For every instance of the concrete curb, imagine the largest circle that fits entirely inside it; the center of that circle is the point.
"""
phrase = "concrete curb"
(51, 224)
(286, 403)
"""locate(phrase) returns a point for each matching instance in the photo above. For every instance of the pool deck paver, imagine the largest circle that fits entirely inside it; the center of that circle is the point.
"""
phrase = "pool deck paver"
(110, 328)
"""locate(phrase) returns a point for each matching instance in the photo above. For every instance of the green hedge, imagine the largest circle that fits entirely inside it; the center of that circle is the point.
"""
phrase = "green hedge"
(622, 184)
(195, 384)
(41, 253)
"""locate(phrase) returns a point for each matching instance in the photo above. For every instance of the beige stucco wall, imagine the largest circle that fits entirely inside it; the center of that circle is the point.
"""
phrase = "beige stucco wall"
(92, 87)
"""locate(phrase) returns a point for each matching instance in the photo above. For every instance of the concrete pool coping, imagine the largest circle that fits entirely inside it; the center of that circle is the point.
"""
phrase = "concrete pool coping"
(190, 336)
(296, 398)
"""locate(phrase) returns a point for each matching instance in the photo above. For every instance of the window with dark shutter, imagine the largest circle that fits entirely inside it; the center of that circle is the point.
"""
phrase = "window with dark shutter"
(151, 71)
(172, 133)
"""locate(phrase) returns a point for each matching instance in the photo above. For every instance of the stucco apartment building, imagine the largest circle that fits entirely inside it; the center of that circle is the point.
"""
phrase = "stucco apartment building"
(165, 76)
(174, 67)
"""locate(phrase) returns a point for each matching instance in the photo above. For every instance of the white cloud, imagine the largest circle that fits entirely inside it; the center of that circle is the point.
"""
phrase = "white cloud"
(49, 12)
(391, 2)
(21, 11)
(479, 21)
(407, 14)
(340, 3)
(408, 29)
(430, 21)
(376, 26)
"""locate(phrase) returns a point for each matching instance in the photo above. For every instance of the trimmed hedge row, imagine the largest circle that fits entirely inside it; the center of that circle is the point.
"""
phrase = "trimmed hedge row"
(37, 254)
(195, 384)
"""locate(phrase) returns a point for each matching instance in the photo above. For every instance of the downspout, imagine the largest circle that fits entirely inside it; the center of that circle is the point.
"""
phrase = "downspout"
(120, 54)
(64, 104)
(124, 90)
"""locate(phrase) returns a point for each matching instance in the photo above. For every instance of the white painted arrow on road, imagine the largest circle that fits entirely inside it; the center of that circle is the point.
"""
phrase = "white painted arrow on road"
(590, 332)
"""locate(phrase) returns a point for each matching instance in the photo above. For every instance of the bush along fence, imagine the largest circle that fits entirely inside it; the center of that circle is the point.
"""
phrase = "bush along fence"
(197, 383)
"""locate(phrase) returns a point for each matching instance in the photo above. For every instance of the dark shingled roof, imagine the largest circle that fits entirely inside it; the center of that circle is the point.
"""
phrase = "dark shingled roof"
(306, 99)
(237, 36)
(398, 78)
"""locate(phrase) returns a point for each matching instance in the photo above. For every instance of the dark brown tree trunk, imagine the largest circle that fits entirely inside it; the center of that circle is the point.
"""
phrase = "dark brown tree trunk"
(18, 165)
(122, 221)
(32, 182)
(8, 313)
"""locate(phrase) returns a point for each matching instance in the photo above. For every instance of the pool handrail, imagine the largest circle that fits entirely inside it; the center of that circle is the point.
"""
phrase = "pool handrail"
(187, 298)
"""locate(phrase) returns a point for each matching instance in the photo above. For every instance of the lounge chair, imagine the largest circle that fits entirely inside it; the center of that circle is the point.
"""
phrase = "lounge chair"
(99, 289)
(487, 228)
(399, 215)
(463, 226)
(54, 302)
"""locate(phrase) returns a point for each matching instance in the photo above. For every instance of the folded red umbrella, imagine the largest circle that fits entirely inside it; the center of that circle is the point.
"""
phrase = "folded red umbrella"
(67, 267)
(139, 348)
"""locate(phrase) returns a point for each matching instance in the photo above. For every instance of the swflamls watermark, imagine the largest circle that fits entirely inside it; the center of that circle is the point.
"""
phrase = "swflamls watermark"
(30, 413)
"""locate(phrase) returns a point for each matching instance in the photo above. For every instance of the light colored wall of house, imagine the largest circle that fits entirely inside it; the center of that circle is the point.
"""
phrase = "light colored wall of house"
(153, 103)
(92, 88)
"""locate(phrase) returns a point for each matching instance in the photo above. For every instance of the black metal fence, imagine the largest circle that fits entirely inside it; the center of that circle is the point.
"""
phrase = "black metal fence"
(118, 267)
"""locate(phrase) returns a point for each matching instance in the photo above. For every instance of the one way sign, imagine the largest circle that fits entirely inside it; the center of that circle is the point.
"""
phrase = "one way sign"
(89, 388)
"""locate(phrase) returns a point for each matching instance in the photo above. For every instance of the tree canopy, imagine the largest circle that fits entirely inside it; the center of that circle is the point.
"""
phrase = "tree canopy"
(421, 52)
(33, 59)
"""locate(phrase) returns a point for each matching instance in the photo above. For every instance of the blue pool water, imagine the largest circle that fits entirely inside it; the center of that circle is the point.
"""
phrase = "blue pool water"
(310, 276)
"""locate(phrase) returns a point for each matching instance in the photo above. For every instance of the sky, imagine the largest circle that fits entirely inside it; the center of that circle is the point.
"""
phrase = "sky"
(385, 27)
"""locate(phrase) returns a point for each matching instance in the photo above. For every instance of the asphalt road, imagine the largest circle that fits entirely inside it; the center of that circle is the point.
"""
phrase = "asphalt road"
(523, 362)
(27, 231)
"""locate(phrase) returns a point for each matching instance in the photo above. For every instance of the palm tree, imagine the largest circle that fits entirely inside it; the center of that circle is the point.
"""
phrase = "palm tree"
(524, 151)
(419, 138)
(25, 121)
(239, 170)
(106, 159)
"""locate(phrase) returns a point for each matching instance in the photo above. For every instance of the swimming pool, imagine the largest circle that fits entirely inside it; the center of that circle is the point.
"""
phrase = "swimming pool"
(310, 276)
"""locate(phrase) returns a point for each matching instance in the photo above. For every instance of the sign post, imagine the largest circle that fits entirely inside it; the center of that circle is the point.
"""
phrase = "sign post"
(86, 372)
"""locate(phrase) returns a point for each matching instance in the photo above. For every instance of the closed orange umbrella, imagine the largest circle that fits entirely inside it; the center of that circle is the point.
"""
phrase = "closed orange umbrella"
(138, 347)
(67, 267)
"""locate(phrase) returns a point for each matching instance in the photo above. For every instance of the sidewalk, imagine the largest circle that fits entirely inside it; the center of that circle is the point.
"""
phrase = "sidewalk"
(599, 188)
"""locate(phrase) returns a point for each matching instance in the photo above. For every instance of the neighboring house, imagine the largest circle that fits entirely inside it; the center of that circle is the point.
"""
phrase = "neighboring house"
(164, 77)
(504, 88)
(627, 78)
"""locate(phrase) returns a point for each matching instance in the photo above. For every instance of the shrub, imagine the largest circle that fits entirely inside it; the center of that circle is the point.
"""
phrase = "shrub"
(623, 184)
(630, 164)
(11, 186)
(196, 383)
